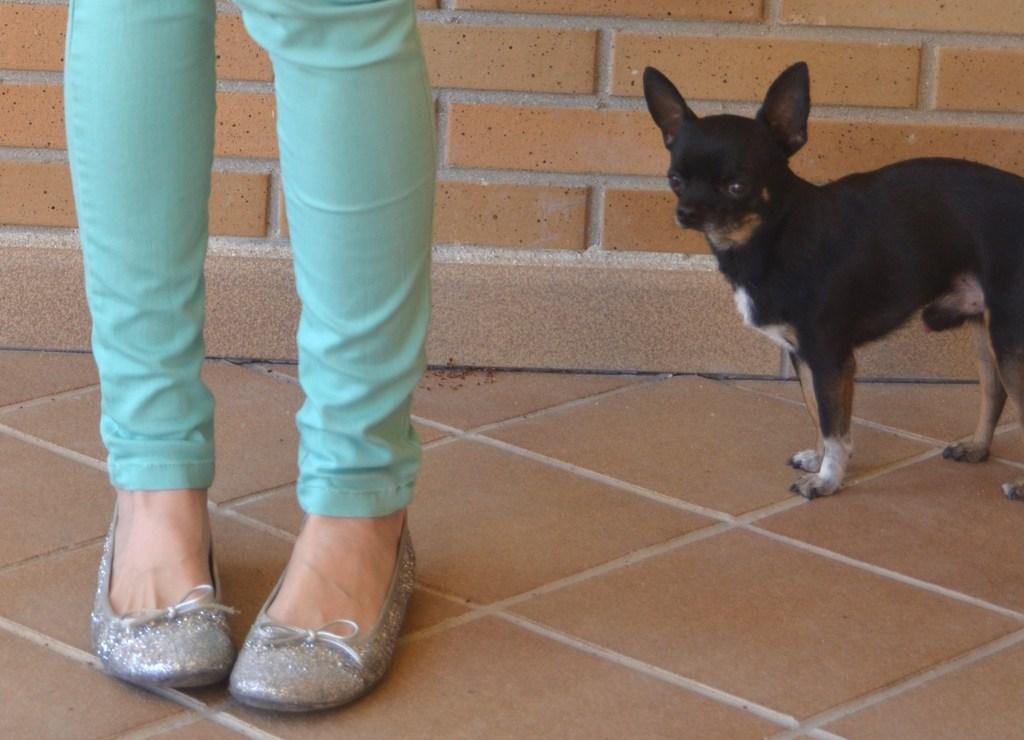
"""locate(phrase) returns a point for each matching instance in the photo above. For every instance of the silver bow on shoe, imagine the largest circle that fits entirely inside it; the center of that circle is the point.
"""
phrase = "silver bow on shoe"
(292, 669)
(187, 644)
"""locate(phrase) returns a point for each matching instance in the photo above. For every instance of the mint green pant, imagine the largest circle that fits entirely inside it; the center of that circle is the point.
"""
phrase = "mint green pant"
(355, 128)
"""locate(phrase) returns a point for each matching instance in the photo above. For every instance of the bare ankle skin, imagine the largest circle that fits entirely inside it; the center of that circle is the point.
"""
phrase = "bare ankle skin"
(161, 548)
(340, 568)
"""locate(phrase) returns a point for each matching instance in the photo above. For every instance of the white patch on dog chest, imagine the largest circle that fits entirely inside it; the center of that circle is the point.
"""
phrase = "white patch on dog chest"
(781, 334)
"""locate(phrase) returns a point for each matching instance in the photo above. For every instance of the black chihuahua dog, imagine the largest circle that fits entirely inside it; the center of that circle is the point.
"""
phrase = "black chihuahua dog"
(822, 270)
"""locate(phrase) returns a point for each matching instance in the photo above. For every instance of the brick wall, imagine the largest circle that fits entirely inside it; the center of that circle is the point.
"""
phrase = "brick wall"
(548, 158)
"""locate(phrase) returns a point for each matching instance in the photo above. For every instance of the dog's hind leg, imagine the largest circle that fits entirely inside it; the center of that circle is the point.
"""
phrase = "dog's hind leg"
(993, 398)
(1007, 334)
(808, 461)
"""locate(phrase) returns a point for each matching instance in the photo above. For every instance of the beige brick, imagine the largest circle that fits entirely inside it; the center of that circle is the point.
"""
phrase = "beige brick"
(837, 148)
(508, 58)
(238, 204)
(510, 216)
(554, 139)
(32, 36)
(31, 116)
(988, 16)
(238, 56)
(33, 194)
(716, 10)
(37, 194)
(981, 79)
(644, 221)
(743, 68)
(426, 4)
(245, 125)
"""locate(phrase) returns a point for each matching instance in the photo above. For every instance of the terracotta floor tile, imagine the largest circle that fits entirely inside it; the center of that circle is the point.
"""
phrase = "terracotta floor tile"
(201, 730)
(488, 524)
(426, 433)
(47, 501)
(1009, 446)
(698, 440)
(280, 509)
(785, 628)
(940, 521)
(942, 411)
(53, 595)
(49, 696)
(468, 399)
(250, 562)
(982, 700)
(490, 679)
(28, 375)
(255, 433)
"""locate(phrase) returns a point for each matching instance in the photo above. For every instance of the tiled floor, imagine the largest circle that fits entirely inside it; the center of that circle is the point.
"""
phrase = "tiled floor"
(600, 557)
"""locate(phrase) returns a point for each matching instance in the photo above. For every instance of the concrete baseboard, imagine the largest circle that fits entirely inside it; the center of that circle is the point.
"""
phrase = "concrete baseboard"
(607, 318)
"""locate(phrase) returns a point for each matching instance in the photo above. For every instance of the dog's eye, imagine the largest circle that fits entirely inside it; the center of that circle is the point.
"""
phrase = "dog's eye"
(675, 180)
(737, 188)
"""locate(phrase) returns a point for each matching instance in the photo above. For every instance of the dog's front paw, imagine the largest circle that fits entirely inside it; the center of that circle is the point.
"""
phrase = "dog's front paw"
(808, 461)
(1015, 490)
(970, 452)
(814, 486)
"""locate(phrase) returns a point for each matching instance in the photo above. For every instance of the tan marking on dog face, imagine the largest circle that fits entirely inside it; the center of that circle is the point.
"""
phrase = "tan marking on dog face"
(765, 195)
(738, 235)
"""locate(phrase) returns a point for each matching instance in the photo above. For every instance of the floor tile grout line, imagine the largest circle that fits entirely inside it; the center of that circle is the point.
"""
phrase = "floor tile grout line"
(49, 554)
(652, 495)
(70, 393)
(160, 726)
(64, 452)
(705, 690)
(251, 498)
(85, 658)
(223, 718)
(886, 572)
(581, 576)
(964, 660)
(641, 382)
(879, 426)
(257, 524)
(623, 561)
(883, 470)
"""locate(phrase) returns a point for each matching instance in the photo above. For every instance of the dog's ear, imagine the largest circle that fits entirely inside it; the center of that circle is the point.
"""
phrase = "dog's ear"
(667, 107)
(786, 107)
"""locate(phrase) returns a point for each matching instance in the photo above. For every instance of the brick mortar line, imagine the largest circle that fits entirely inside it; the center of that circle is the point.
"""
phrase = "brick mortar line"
(441, 132)
(770, 26)
(26, 77)
(275, 204)
(922, 678)
(772, 14)
(593, 231)
(604, 65)
(32, 155)
(679, 27)
(272, 249)
(928, 78)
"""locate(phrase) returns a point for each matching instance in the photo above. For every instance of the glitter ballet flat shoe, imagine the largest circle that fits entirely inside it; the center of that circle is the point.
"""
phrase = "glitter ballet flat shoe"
(187, 644)
(291, 669)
